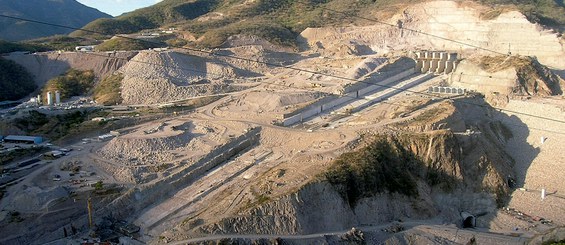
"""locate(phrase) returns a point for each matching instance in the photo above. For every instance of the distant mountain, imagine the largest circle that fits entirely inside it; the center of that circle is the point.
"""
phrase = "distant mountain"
(62, 12)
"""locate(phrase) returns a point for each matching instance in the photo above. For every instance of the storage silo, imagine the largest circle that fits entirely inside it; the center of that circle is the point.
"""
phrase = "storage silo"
(49, 98)
(57, 97)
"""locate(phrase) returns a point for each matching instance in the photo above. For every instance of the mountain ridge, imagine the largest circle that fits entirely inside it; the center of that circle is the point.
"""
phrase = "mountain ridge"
(61, 12)
(211, 22)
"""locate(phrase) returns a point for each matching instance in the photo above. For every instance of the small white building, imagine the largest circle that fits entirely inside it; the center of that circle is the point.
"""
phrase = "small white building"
(84, 48)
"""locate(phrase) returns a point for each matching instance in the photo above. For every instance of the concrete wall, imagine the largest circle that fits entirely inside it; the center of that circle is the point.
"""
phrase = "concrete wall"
(446, 90)
(387, 81)
(435, 61)
(328, 105)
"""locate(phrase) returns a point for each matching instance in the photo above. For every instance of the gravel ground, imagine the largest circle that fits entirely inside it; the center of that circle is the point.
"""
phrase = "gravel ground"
(539, 165)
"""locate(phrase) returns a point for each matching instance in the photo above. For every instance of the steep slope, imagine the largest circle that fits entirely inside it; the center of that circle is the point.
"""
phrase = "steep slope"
(508, 76)
(62, 12)
(45, 66)
(162, 13)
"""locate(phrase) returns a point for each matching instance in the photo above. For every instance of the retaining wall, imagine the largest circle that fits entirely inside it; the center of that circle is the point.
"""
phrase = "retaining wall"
(329, 104)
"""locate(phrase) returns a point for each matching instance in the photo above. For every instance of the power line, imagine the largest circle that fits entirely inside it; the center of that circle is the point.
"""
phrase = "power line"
(309, 71)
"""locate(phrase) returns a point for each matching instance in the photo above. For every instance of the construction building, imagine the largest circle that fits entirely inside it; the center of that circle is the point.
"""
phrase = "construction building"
(23, 139)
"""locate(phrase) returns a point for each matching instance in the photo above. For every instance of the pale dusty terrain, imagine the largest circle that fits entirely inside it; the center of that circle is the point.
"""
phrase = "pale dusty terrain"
(229, 168)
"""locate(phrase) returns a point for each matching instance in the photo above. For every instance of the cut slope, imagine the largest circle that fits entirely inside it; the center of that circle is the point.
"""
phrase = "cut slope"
(513, 75)
(44, 66)
(508, 32)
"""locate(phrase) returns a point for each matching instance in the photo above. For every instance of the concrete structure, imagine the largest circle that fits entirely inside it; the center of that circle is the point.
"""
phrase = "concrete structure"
(39, 99)
(49, 98)
(57, 97)
(439, 62)
(362, 95)
(23, 139)
(447, 90)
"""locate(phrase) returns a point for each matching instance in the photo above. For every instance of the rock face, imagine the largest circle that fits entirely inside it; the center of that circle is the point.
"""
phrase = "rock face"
(461, 22)
(507, 76)
(45, 66)
(63, 12)
(468, 165)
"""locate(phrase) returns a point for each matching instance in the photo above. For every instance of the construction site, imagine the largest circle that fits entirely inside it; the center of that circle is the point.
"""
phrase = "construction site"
(268, 157)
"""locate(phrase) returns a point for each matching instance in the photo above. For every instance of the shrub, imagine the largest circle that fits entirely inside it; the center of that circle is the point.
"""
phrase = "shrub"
(72, 83)
(382, 166)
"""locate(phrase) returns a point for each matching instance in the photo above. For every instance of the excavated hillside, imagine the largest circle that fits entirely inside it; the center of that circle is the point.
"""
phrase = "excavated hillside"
(507, 75)
(462, 22)
(450, 169)
(361, 139)
(44, 66)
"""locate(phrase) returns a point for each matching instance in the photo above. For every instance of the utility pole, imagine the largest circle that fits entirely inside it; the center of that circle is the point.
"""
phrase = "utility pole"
(89, 206)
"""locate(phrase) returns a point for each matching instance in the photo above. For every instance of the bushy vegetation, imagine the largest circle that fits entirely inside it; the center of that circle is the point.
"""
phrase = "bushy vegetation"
(8, 47)
(60, 42)
(15, 81)
(271, 31)
(108, 91)
(383, 166)
(72, 83)
(546, 12)
(19, 153)
(148, 18)
(58, 126)
(120, 43)
(280, 21)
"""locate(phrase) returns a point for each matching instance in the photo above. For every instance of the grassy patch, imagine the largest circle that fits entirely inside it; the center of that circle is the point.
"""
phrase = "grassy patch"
(119, 43)
(108, 91)
(8, 47)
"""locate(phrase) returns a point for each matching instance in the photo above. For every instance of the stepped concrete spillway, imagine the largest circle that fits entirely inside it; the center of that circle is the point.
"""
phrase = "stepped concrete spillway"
(435, 62)
(379, 86)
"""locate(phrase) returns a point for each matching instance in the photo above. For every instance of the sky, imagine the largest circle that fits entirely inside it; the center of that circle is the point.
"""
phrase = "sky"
(117, 7)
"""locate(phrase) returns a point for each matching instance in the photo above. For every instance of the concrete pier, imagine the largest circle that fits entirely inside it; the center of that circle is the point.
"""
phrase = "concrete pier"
(438, 62)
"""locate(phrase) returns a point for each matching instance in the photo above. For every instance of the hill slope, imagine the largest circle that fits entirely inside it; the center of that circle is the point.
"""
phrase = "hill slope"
(15, 81)
(63, 12)
(213, 21)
